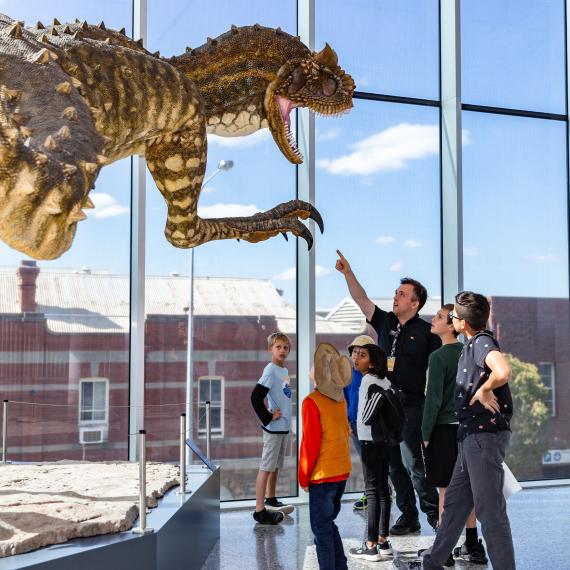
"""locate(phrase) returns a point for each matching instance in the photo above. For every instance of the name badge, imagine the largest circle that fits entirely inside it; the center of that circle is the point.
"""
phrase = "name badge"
(391, 363)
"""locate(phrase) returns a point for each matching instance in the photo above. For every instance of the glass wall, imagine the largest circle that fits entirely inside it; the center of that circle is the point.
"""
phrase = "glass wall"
(64, 324)
(515, 205)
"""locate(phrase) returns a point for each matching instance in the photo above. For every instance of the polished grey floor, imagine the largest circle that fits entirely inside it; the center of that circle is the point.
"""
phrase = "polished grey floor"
(540, 520)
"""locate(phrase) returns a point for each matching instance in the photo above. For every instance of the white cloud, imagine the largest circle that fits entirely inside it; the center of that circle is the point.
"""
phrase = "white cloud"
(545, 258)
(470, 251)
(328, 135)
(227, 210)
(385, 240)
(243, 142)
(291, 273)
(413, 243)
(391, 149)
(396, 266)
(106, 206)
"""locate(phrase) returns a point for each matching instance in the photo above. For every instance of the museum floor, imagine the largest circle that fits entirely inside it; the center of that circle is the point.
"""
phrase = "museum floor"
(539, 520)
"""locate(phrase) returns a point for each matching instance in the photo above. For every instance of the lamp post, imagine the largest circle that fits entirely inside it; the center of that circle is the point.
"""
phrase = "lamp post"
(223, 165)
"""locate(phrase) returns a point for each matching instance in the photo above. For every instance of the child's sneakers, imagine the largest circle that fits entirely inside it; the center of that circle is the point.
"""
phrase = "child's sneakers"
(370, 554)
(360, 505)
(385, 549)
(268, 517)
(274, 505)
(474, 554)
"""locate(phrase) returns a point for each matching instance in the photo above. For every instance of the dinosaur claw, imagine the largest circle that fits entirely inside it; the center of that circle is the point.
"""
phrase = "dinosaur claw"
(307, 236)
(318, 219)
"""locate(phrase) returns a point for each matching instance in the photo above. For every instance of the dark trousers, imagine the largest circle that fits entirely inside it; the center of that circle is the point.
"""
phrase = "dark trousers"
(477, 481)
(324, 506)
(407, 470)
(376, 466)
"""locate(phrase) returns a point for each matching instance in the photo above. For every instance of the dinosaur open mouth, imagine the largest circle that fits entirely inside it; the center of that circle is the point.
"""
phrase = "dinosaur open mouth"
(285, 108)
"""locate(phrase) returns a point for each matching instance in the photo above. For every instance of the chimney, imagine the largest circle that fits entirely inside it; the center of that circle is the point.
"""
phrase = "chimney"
(27, 276)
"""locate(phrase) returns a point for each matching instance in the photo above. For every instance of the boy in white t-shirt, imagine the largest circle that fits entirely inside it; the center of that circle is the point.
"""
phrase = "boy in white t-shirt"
(275, 423)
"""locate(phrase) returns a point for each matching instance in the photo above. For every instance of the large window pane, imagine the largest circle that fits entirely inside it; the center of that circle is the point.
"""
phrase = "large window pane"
(242, 291)
(388, 46)
(513, 54)
(378, 191)
(516, 253)
(64, 324)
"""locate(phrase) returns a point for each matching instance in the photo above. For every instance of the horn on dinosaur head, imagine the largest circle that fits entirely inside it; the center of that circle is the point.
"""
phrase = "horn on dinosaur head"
(327, 57)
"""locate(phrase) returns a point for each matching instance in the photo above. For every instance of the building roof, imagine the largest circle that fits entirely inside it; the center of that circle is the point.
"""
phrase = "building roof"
(83, 301)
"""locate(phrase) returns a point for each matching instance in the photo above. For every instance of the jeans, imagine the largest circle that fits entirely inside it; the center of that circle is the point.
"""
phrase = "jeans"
(324, 506)
(477, 481)
(407, 461)
(376, 466)
(355, 439)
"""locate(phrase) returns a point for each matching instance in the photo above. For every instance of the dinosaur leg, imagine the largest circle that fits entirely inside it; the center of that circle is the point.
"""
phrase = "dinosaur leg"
(178, 163)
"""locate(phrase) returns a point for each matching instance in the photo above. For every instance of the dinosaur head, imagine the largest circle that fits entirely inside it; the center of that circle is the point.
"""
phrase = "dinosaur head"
(315, 82)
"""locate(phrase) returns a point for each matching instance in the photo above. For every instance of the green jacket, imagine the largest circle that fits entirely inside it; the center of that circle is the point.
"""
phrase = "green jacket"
(439, 407)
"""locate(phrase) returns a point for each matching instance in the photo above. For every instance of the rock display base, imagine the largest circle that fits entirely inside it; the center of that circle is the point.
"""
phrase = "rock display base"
(51, 503)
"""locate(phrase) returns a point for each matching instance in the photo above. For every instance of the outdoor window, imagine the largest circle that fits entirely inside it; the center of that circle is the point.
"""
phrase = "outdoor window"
(211, 391)
(93, 403)
(546, 371)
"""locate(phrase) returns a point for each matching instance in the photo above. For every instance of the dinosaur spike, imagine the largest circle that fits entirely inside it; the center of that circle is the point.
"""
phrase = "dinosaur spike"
(107, 41)
(40, 26)
(327, 57)
(106, 140)
(67, 30)
(44, 39)
(77, 35)
(297, 38)
(77, 21)
(75, 82)
(64, 87)
(139, 42)
(156, 54)
(50, 143)
(89, 167)
(20, 119)
(95, 111)
(234, 29)
(40, 158)
(123, 32)
(210, 41)
(188, 49)
(108, 106)
(279, 31)
(84, 26)
(53, 204)
(28, 141)
(70, 113)
(101, 26)
(256, 27)
(87, 203)
(26, 132)
(64, 132)
(56, 22)
(54, 32)
(102, 160)
(69, 169)
(15, 31)
(71, 68)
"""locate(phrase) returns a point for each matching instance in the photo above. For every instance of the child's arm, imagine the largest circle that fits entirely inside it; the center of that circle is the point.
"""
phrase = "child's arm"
(500, 375)
(257, 397)
(434, 397)
(372, 406)
(310, 443)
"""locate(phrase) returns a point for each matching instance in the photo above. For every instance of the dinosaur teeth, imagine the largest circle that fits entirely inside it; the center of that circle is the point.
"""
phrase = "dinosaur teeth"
(50, 143)
(64, 87)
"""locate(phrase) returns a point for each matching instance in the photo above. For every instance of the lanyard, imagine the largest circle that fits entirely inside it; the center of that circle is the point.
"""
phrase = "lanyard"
(396, 335)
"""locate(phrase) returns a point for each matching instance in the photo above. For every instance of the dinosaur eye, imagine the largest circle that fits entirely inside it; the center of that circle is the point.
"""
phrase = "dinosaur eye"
(329, 86)
(298, 79)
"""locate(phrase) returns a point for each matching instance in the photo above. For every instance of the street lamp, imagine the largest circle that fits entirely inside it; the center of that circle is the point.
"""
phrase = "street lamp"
(223, 165)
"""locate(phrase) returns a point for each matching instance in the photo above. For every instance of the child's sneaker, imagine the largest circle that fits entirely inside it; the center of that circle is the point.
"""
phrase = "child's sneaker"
(370, 554)
(360, 505)
(385, 549)
(275, 505)
(474, 555)
(268, 517)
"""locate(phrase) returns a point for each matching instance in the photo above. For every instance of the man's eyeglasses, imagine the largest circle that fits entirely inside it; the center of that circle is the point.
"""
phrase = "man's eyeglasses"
(452, 315)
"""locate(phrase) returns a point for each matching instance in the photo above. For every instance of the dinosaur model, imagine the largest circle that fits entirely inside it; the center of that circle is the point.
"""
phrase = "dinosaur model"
(75, 97)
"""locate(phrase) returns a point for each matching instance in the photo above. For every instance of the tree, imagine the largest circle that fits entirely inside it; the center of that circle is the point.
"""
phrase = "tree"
(530, 420)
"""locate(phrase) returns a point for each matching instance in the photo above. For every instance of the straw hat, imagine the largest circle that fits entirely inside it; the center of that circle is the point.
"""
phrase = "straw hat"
(359, 341)
(332, 371)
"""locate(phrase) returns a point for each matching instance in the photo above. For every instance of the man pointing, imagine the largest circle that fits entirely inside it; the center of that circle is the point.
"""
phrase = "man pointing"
(408, 342)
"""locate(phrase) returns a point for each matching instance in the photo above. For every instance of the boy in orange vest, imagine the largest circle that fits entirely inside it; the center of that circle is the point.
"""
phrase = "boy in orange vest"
(324, 459)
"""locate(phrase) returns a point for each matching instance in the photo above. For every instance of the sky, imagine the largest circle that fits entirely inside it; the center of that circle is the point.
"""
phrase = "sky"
(378, 167)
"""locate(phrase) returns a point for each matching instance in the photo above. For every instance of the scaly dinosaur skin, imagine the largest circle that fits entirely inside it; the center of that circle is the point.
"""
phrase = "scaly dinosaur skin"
(74, 97)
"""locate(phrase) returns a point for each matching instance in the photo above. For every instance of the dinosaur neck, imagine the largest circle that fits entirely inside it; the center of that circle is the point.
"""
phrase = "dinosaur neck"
(233, 71)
